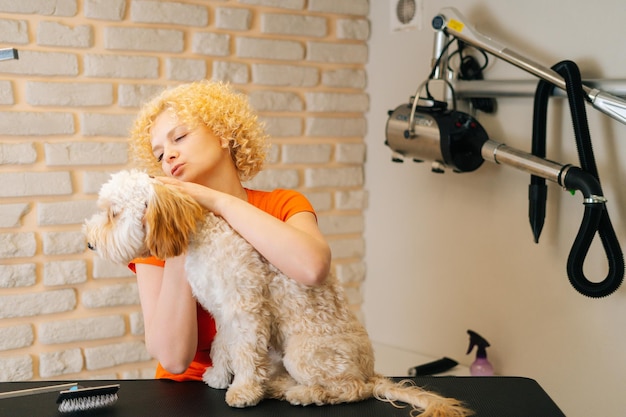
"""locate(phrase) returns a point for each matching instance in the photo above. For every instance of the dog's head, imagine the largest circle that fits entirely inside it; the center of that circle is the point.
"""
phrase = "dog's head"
(139, 216)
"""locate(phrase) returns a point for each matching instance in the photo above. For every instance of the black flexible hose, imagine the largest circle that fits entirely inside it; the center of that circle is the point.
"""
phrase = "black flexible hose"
(596, 217)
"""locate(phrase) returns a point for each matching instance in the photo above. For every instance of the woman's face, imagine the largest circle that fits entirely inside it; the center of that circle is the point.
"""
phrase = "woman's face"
(189, 154)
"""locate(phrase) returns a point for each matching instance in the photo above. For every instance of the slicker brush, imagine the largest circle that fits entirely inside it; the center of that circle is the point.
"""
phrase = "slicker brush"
(90, 398)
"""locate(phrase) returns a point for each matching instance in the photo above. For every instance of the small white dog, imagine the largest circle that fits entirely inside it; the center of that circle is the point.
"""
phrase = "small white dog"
(324, 355)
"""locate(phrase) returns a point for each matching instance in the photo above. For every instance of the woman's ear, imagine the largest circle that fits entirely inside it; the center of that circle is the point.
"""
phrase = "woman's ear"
(171, 218)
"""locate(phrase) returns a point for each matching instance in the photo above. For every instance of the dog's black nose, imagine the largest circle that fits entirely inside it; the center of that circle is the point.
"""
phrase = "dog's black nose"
(90, 246)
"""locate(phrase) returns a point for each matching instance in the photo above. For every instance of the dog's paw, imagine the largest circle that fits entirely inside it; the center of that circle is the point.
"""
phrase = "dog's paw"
(216, 378)
(244, 395)
(305, 395)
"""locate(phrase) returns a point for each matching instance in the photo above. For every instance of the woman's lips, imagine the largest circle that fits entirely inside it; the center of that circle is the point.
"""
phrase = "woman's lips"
(176, 169)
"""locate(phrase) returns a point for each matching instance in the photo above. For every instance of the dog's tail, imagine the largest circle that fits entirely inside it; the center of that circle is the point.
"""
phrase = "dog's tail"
(428, 403)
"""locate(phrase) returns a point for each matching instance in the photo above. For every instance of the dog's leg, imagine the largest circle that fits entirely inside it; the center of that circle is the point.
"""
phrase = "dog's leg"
(329, 369)
(219, 375)
(249, 360)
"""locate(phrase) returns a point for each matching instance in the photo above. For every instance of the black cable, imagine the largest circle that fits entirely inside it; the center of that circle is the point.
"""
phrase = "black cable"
(596, 217)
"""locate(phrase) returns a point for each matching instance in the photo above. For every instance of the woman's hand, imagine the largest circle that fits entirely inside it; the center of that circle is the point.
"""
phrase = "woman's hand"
(205, 196)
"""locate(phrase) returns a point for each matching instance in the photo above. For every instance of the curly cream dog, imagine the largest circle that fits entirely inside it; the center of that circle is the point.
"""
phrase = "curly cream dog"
(324, 353)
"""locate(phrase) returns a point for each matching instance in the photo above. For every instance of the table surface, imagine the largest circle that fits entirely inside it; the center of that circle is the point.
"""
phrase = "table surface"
(487, 396)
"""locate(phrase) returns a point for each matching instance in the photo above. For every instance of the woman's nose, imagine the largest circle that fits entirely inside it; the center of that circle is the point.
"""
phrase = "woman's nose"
(170, 154)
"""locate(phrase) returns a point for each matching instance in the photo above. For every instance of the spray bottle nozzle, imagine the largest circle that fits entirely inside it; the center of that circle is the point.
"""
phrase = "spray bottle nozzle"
(480, 342)
(481, 366)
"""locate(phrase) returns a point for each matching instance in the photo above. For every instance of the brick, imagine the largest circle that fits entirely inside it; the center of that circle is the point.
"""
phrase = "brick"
(269, 49)
(118, 66)
(6, 92)
(85, 153)
(307, 154)
(36, 124)
(111, 295)
(344, 78)
(136, 322)
(179, 69)
(17, 153)
(11, 214)
(105, 9)
(298, 25)
(64, 212)
(105, 356)
(273, 154)
(213, 44)
(334, 177)
(353, 272)
(17, 245)
(285, 75)
(82, 329)
(14, 31)
(64, 8)
(350, 153)
(64, 273)
(145, 373)
(351, 7)
(354, 296)
(335, 127)
(270, 179)
(34, 304)
(101, 124)
(16, 368)
(20, 275)
(283, 4)
(140, 39)
(341, 224)
(134, 95)
(143, 11)
(264, 100)
(57, 34)
(353, 29)
(63, 362)
(42, 63)
(336, 53)
(231, 18)
(347, 248)
(232, 72)
(321, 201)
(106, 269)
(337, 102)
(351, 200)
(15, 337)
(69, 94)
(23, 184)
(93, 180)
(63, 243)
(282, 126)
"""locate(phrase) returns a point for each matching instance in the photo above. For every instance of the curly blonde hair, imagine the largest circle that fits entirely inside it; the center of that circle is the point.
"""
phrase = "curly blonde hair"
(225, 112)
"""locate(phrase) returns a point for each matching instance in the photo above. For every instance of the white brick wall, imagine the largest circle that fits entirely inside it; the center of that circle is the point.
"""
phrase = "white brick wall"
(84, 69)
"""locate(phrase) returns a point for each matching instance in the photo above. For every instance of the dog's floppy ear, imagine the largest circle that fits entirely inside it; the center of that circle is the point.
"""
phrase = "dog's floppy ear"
(171, 218)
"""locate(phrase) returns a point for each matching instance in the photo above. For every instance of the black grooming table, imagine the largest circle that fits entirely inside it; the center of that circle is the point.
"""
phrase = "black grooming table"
(487, 396)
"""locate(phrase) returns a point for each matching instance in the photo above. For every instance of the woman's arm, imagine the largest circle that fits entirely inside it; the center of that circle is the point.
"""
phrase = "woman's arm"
(169, 312)
(296, 247)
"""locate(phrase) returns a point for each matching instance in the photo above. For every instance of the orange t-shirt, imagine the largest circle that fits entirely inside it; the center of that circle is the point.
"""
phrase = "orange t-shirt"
(281, 204)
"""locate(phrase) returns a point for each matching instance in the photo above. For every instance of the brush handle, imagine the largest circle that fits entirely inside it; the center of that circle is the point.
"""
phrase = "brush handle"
(40, 390)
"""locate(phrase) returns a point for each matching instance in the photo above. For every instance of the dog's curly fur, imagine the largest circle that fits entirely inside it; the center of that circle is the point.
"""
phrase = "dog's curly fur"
(275, 338)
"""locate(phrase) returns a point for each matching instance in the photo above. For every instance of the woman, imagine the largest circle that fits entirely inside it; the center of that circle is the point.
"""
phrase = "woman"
(204, 139)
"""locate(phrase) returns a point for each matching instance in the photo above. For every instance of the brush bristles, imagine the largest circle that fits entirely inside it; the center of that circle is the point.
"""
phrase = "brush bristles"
(71, 405)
